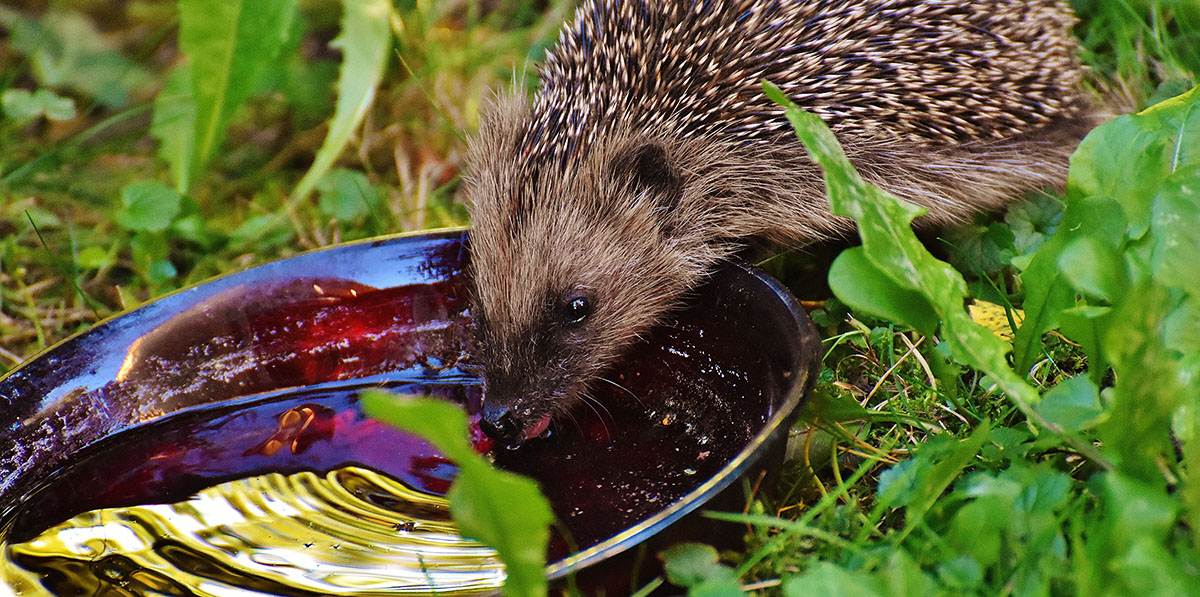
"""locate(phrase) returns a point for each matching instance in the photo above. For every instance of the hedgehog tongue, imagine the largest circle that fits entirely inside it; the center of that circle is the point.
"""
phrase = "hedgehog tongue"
(537, 428)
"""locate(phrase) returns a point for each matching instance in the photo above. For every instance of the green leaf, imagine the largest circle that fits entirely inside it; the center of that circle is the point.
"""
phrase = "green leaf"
(228, 44)
(1128, 158)
(941, 475)
(174, 125)
(697, 567)
(261, 232)
(858, 282)
(1134, 509)
(962, 573)
(66, 50)
(93, 257)
(1094, 268)
(1048, 292)
(161, 272)
(884, 224)
(828, 580)
(346, 195)
(1033, 221)
(365, 39)
(441, 423)
(825, 405)
(1085, 324)
(147, 205)
(503, 510)
(22, 106)
(1174, 223)
(1150, 386)
(903, 577)
(509, 514)
(1073, 404)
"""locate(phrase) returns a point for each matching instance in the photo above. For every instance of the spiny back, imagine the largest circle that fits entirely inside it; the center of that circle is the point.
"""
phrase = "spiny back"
(926, 72)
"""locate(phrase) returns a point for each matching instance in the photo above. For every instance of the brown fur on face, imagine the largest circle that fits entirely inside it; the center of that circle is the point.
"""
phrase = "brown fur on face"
(651, 153)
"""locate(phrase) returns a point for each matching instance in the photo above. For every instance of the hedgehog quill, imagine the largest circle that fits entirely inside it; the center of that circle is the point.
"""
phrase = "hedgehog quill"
(650, 154)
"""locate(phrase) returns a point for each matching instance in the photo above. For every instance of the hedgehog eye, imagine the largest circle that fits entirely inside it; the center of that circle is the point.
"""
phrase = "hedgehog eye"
(577, 306)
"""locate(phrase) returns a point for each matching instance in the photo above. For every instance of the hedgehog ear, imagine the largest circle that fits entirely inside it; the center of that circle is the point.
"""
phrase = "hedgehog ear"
(651, 169)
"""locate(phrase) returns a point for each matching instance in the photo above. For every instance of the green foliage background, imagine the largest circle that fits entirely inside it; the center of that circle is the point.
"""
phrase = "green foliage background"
(148, 145)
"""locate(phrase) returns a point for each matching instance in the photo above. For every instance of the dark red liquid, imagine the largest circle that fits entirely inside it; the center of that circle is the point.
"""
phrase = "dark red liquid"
(263, 376)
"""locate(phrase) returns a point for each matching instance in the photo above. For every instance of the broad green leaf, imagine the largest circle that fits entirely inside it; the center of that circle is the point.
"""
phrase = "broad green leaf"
(161, 272)
(942, 474)
(827, 406)
(174, 125)
(365, 39)
(696, 567)
(1033, 221)
(857, 281)
(1176, 230)
(960, 574)
(828, 580)
(509, 514)
(261, 232)
(1133, 509)
(1073, 404)
(147, 205)
(1128, 158)
(441, 423)
(93, 257)
(977, 529)
(505, 511)
(1094, 268)
(228, 43)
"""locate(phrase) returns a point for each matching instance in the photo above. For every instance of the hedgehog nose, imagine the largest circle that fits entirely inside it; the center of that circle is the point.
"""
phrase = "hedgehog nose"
(499, 423)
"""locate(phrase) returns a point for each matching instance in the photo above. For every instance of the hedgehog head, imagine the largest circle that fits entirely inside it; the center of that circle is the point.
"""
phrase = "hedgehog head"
(570, 263)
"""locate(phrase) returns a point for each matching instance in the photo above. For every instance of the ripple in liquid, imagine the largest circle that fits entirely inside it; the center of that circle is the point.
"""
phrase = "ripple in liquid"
(349, 532)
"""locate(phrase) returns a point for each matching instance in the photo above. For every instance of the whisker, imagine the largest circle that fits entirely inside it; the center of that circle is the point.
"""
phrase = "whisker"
(625, 389)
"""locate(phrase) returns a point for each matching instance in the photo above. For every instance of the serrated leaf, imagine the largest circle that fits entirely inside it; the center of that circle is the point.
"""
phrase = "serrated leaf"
(1149, 385)
(228, 44)
(884, 224)
(147, 205)
(505, 511)
(365, 39)
(1048, 292)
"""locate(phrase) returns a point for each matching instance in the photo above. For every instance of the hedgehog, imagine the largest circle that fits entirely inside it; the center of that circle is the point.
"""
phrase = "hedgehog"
(650, 154)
